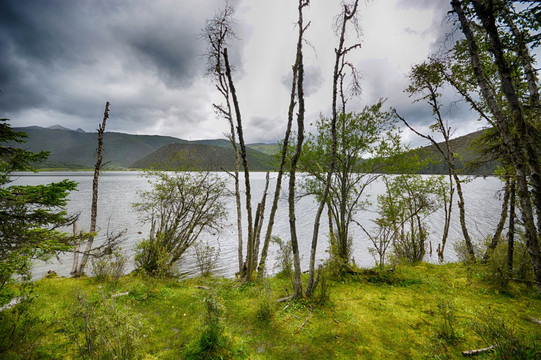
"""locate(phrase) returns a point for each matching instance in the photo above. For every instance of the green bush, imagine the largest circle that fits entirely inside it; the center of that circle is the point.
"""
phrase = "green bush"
(109, 267)
(102, 329)
(152, 258)
(497, 269)
(206, 257)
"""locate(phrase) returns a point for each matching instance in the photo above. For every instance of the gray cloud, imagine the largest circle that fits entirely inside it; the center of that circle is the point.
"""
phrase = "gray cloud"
(63, 59)
(313, 79)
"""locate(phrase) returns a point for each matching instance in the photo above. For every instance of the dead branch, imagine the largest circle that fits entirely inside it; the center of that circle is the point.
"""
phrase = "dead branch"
(306, 320)
(12, 303)
(478, 351)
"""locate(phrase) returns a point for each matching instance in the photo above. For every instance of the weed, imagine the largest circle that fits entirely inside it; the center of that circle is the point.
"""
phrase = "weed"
(109, 267)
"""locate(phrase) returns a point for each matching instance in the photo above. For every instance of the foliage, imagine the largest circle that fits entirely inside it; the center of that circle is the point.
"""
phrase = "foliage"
(284, 260)
(402, 211)
(153, 259)
(395, 319)
(212, 343)
(109, 267)
(206, 257)
(103, 330)
(179, 207)
(497, 266)
(30, 216)
(507, 342)
(366, 141)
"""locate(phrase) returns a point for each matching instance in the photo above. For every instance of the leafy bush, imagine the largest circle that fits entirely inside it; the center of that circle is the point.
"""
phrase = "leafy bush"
(284, 257)
(103, 330)
(212, 343)
(179, 207)
(152, 258)
(497, 269)
(109, 267)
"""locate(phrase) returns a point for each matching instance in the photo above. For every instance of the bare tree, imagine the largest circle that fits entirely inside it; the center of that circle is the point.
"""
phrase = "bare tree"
(95, 182)
(299, 69)
(426, 82)
(217, 33)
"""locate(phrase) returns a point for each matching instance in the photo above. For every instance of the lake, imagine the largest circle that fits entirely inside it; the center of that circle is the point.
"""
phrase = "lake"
(118, 190)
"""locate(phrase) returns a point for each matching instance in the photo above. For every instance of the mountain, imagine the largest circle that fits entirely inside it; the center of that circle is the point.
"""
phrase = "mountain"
(466, 154)
(201, 156)
(76, 149)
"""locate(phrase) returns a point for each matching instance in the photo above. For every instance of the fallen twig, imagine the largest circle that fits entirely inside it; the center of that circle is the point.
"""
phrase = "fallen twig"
(535, 320)
(285, 299)
(12, 303)
(202, 287)
(478, 351)
(307, 318)
(120, 294)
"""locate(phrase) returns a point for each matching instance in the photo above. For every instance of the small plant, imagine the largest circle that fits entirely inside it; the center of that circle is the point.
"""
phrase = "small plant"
(264, 310)
(212, 344)
(323, 291)
(152, 259)
(103, 330)
(447, 322)
(507, 343)
(109, 267)
(284, 259)
(206, 257)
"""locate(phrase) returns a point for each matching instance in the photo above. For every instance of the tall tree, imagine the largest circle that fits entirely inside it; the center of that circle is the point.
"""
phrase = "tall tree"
(30, 216)
(347, 16)
(426, 82)
(519, 130)
(299, 69)
(217, 34)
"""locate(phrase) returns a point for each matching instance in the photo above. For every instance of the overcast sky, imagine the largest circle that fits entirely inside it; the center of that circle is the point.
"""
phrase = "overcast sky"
(62, 59)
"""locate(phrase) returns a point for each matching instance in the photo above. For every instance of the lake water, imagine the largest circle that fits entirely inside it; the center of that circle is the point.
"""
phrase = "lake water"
(119, 190)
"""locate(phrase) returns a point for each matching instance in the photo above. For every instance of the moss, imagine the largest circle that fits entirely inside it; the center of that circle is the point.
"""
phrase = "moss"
(399, 317)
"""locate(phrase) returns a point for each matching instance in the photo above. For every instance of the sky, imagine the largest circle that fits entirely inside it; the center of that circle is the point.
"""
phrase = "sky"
(61, 60)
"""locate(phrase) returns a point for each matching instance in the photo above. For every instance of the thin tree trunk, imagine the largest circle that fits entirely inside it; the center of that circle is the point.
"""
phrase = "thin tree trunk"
(268, 234)
(448, 211)
(513, 144)
(95, 181)
(75, 265)
(244, 158)
(339, 54)
(511, 232)
(297, 283)
(503, 218)
(258, 224)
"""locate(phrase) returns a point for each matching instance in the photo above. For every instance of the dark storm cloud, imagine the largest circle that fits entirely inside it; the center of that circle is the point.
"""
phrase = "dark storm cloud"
(65, 58)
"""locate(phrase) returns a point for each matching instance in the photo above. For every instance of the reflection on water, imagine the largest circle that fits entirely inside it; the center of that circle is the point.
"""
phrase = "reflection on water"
(118, 190)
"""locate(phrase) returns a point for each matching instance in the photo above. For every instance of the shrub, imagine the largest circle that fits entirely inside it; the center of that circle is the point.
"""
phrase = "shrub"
(152, 258)
(103, 330)
(284, 257)
(206, 257)
(109, 267)
(497, 269)
(508, 344)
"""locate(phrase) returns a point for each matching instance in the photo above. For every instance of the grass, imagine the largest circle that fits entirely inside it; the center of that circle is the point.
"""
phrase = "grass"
(394, 316)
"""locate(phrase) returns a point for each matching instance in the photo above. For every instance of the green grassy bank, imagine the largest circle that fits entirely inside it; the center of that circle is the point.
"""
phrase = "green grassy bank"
(416, 312)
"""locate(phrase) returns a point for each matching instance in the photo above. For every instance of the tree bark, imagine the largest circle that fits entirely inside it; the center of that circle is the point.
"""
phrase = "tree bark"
(511, 232)
(503, 218)
(513, 144)
(297, 284)
(244, 158)
(95, 181)
(339, 54)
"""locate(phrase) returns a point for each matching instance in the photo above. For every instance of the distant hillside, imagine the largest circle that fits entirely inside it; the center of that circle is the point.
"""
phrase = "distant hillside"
(269, 149)
(199, 156)
(461, 146)
(77, 149)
